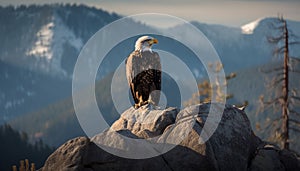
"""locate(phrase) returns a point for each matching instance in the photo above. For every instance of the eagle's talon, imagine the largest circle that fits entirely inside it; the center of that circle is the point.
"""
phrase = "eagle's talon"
(136, 106)
(151, 102)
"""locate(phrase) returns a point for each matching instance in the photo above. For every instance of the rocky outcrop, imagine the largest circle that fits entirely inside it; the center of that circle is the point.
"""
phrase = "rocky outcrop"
(172, 140)
(145, 123)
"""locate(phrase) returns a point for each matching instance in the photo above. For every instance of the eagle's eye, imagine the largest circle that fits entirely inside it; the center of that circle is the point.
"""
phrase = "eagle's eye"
(146, 40)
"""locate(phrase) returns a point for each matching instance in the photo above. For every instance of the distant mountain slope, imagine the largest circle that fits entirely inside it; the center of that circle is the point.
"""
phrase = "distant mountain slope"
(248, 45)
(57, 122)
(23, 91)
(48, 38)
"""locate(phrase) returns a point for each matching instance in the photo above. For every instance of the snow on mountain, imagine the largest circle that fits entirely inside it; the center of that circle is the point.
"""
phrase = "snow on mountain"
(250, 27)
(248, 46)
(42, 47)
(64, 33)
(62, 36)
(50, 42)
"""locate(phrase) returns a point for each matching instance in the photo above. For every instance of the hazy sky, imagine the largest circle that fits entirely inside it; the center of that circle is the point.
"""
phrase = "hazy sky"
(226, 12)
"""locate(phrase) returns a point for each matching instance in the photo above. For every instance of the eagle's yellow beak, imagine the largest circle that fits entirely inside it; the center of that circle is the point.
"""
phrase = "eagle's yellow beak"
(153, 41)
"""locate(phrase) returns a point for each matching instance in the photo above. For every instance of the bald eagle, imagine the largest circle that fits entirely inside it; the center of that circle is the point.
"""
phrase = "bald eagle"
(143, 72)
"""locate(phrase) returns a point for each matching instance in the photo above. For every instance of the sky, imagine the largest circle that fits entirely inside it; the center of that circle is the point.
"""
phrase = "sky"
(233, 13)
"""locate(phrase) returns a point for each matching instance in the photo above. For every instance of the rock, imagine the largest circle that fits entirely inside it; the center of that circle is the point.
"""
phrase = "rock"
(230, 146)
(289, 160)
(68, 156)
(81, 154)
(266, 158)
(145, 123)
(271, 157)
(168, 140)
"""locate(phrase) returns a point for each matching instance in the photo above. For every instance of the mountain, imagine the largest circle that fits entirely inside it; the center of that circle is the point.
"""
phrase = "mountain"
(58, 122)
(22, 90)
(48, 38)
(247, 46)
(39, 48)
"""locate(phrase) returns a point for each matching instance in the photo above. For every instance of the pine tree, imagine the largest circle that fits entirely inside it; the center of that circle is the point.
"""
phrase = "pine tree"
(207, 89)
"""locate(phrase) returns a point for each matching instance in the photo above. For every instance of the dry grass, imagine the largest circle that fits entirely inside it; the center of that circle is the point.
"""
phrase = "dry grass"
(24, 166)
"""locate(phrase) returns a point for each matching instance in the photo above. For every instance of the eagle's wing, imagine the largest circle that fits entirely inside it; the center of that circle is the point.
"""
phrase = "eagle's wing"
(155, 60)
(157, 73)
(130, 74)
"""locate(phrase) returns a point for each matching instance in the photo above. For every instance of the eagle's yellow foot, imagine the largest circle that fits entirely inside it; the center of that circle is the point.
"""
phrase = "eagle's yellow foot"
(136, 106)
(151, 102)
(141, 103)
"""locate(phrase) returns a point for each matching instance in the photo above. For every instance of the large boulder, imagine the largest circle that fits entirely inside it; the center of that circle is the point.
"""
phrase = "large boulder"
(232, 144)
(192, 139)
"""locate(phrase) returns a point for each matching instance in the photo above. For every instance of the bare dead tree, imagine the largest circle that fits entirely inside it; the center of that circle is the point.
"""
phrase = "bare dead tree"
(281, 81)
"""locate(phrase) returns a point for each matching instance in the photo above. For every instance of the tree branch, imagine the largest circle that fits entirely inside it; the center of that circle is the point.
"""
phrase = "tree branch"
(271, 70)
(272, 101)
(295, 58)
(279, 74)
(294, 92)
(295, 97)
(292, 34)
(277, 81)
(294, 112)
(295, 71)
(295, 121)
(295, 129)
(278, 50)
(272, 124)
(272, 86)
(294, 102)
(274, 40)
(276, 27)
(294, 43)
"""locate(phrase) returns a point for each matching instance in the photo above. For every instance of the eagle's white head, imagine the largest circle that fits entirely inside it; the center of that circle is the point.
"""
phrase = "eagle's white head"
(144, 43)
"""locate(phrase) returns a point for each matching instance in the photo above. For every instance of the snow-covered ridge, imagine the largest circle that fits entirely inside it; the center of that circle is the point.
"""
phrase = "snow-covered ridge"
(42, 47)
(250, 27)
(62, 36)
(50, 44)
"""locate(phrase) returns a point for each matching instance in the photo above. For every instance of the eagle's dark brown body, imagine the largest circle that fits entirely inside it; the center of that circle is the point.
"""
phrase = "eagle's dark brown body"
(143, 72)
